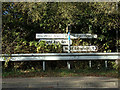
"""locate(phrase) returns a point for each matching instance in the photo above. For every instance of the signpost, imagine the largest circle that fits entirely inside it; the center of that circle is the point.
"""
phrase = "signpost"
(65, 39)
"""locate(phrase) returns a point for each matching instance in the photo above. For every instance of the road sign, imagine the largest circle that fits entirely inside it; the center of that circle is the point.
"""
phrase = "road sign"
(48, 35)
(61, 41)
(63, 36)
(80, 48)
(75, 36)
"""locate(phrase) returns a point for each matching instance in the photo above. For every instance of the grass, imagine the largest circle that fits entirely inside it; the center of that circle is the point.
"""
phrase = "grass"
(60, 73)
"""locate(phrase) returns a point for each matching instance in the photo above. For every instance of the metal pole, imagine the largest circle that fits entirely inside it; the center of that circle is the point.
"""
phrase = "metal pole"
(90, 64)
(68, 42)
(117, 29)
(117, 39)
(68, 64)
(106, 64)
(43, 65)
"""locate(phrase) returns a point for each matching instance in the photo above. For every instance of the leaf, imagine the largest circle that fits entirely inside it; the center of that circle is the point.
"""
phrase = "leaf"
(30, 43)
(38, 49)
(41, 25)
(55, 46)
(36, 44)
(105, 47)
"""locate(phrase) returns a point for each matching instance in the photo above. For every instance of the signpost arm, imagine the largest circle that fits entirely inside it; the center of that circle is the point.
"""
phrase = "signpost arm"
(68, 64)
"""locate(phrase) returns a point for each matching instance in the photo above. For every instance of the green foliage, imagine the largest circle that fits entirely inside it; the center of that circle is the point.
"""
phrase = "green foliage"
(24, 20)
(6, 62)
(115, 66)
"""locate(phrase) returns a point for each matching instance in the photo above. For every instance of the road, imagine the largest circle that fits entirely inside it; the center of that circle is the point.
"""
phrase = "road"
(60, 82)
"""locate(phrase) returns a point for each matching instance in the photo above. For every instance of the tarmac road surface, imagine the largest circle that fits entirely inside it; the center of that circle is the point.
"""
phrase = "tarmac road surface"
(60, 82)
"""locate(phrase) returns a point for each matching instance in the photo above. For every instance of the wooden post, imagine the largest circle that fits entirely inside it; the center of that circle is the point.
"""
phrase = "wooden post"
(43, 65)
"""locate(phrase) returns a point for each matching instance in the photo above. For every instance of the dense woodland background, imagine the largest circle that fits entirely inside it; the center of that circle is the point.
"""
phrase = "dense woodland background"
(21, 21)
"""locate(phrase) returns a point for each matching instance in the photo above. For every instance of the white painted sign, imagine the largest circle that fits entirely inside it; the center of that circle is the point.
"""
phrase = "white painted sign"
(48, 35)
(80, 48)
(62, 42)
(64, 35)
(75, 36)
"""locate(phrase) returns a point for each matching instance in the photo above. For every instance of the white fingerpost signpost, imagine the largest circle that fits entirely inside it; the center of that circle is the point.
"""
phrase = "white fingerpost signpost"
(66, 39)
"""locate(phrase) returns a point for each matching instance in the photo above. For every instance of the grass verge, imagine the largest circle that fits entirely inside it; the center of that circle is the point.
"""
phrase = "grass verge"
(60, 73)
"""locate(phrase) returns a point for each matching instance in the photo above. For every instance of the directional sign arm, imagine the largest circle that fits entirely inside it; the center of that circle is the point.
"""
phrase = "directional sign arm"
(64, 35)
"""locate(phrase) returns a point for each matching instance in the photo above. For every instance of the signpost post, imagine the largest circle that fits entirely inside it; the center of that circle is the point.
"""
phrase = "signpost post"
(69, 29)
